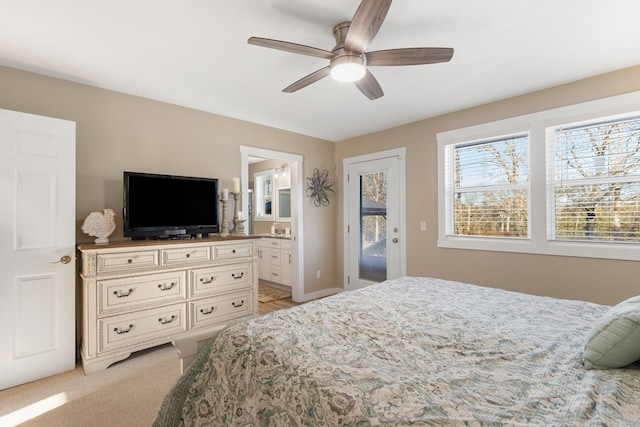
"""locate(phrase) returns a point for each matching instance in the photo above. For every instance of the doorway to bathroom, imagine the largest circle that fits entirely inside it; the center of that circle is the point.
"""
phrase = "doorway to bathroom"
(276, 199)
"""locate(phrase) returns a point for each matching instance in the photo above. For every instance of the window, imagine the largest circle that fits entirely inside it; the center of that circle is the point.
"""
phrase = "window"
(491, 188)
(594, 177)
(558, 182)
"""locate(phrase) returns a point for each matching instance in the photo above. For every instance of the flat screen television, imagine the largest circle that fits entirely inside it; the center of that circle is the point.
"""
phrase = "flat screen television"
(168, 206)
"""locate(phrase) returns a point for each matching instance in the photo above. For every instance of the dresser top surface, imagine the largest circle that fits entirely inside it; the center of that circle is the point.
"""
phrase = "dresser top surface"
(132, 244)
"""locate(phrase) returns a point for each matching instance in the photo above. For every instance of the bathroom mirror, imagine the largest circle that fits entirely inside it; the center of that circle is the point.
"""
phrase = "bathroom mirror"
(264, 209)
(283, 212)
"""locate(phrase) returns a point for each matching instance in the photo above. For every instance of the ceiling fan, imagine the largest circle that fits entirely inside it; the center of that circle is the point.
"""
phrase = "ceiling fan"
(349, 59)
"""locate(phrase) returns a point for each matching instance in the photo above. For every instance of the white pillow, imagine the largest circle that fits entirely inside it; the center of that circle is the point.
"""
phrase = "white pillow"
(614, 341)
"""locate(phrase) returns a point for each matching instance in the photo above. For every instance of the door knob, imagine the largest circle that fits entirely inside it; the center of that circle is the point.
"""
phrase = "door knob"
(65, 259)
(395, 240)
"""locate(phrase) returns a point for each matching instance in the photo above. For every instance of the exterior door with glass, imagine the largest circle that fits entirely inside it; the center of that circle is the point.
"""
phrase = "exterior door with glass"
(374, 240)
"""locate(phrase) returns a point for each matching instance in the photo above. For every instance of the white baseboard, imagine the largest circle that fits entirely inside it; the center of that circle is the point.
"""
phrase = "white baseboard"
(320, 294)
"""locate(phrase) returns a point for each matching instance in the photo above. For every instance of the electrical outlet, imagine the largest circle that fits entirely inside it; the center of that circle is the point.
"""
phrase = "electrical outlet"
(423, 225)
(317, 274)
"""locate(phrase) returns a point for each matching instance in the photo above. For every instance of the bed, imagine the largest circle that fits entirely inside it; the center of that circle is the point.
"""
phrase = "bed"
(417, 351)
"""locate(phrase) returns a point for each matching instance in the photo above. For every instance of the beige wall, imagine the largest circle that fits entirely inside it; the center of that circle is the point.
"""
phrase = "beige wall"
(117, 132)
(598, 280)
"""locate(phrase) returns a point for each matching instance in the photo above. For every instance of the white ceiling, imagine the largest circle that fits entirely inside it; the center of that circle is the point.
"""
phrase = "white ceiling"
(195, 53)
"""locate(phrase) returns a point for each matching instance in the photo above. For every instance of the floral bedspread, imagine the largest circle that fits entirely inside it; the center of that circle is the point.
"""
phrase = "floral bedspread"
(412, 351)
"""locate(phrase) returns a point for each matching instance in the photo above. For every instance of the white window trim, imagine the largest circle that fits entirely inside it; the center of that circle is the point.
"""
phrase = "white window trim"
(535, 124)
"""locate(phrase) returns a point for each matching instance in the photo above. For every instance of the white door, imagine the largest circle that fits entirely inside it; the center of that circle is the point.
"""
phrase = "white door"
(37, 247)
(374, 216)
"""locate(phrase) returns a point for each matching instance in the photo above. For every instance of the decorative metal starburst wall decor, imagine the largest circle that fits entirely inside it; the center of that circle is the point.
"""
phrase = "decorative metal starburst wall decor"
(319, 185)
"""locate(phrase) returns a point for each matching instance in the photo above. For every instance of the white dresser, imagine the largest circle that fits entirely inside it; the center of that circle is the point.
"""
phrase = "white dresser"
(139, 294)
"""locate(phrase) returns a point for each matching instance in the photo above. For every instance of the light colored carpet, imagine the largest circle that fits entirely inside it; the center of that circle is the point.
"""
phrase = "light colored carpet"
(269, 293)
(128, 393)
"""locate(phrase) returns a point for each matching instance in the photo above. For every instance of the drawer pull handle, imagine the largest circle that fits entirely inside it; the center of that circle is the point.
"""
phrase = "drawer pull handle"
(233, 251)
(164, 287)
(121, 331)
(233, 303)
(129, 260)
(188, 255)
(205, 311)
(165, 321)
(206, 281)
(121, 294)
(237, 277)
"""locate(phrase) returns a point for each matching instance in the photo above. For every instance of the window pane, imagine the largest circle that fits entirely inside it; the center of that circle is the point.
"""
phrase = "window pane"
(598, 150)
(373, 227)
(493, 163)
(597, 181)
(496, 214)
(491, 196)
(604, 212)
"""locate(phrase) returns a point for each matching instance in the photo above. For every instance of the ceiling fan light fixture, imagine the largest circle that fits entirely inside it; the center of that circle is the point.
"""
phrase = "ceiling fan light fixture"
(349, 57)
(348, 68)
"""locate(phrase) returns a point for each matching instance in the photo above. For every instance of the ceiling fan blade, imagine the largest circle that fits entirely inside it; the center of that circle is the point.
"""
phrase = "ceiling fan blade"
(409, 56)
(307, 80)
(365, 24)
(369, 86)
(291, 47)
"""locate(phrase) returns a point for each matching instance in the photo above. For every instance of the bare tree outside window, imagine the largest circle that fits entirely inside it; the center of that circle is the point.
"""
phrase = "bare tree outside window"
(597, 181)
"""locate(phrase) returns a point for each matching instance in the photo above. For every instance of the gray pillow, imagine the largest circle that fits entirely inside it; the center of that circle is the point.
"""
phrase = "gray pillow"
(614, 341)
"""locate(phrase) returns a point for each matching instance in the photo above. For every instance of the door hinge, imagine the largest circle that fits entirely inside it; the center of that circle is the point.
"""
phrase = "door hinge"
(348, 280)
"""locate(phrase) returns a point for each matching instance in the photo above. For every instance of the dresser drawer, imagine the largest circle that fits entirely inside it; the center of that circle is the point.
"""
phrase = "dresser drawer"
(232, 251)
(131, 292)
(209, 311)
(145, 325)
(184, 256)
(219, 279)
(125, 261)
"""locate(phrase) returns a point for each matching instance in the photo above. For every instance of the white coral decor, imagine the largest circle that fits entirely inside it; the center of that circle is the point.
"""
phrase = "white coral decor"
(100, 225)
